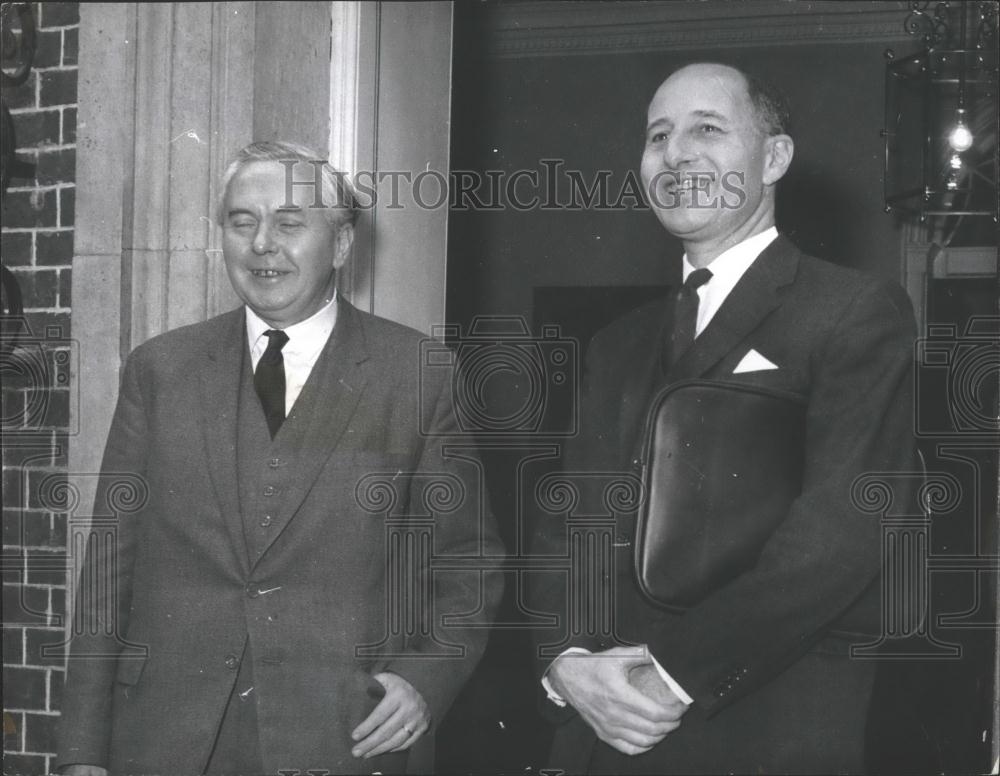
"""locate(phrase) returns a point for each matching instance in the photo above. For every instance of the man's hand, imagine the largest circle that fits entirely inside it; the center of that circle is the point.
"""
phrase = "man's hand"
(400, 718)
(648, 681)
(597, 686)
(84, 770)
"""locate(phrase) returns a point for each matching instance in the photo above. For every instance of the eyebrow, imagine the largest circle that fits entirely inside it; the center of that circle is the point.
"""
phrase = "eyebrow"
(702, 114)
(711, 114)
(290, 209)
(658, 123)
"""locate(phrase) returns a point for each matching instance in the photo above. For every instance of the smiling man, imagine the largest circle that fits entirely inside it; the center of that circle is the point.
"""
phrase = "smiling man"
(755, 676)
(242, 621)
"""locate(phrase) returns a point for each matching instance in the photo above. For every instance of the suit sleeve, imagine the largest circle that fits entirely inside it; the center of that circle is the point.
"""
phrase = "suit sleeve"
(826, 552)
(104, 587)
(464, 599)
(548, 589)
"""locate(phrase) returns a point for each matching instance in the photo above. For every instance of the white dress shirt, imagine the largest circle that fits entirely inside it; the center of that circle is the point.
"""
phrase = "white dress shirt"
(305, 342)
(727, 269)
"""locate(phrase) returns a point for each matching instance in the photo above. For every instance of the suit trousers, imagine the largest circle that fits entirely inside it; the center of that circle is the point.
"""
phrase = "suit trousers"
(236, 751)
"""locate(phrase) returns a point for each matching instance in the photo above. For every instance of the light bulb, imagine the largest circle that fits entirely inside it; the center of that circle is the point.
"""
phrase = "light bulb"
(960, 138)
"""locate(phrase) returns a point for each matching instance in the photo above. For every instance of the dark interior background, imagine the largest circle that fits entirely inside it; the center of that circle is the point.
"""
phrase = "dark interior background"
(580, 268)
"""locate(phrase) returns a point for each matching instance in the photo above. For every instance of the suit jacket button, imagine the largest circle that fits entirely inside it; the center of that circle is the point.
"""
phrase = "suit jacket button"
(265, 521)
(269, 490)
(232, 661)
(274, 463)
(251, 590)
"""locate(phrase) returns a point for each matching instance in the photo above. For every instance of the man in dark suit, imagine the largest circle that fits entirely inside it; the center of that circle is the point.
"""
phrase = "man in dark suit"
(268, 604)
(757, 676)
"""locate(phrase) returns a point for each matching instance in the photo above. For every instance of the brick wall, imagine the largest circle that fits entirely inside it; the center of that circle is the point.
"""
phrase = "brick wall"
(37, 247)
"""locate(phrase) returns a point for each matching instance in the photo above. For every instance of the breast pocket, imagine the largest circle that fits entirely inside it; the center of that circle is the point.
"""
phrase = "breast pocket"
(782, 379)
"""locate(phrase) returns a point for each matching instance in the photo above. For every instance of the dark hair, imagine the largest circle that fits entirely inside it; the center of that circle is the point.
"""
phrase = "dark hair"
(336, 188)
(770, 105)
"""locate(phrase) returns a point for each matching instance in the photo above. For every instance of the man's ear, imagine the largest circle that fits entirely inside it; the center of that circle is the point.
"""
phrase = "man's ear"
(342, 245)
(779, 150)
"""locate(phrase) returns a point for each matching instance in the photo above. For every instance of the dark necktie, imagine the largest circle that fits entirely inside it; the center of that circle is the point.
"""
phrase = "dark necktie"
(686, 314)
(269, 380)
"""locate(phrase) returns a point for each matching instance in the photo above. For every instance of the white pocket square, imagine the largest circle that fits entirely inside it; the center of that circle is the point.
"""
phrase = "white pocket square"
(753, 362)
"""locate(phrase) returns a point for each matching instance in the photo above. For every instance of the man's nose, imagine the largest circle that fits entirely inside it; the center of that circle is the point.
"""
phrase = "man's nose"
(678, 151)
(263, 242)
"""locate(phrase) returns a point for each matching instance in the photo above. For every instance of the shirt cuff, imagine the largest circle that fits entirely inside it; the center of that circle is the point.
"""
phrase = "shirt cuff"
(552, 695)
(674, 687)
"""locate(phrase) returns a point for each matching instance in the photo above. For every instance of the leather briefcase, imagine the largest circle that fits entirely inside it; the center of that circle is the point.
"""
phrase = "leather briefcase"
(722, 463)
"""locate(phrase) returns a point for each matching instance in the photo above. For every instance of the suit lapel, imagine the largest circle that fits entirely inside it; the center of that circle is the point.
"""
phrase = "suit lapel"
(219, 400)
(747, 305)
(323, 410)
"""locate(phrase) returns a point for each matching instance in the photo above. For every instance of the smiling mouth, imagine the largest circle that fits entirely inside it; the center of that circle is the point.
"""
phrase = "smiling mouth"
(688, 183)
(267, 273)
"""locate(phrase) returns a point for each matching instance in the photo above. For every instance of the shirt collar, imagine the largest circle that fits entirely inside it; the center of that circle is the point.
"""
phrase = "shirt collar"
(302, 335)
(732, 263)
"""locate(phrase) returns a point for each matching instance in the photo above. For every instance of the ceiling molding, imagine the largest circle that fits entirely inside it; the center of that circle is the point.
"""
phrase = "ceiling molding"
(551, 28)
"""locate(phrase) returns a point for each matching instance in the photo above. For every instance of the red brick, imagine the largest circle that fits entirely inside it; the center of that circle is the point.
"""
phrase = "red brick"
(67, 207)
(60, 359)
(56, 166)
(54, 248)
(22, 172)
(58, 87)
(56, 684)
(22, 96)
(35, 128)
(39, 287)
(24, 605)
(40, 732)
(60, 14)
(29, 209)
(71, 46)
(12, 532)
(69, 126)
(20, 526)
(14, 411)
(39, 530)
(47, 568)
(23, 688)
(47, 490)
(12, 480)
(13, 725)
(15, 248)
(50, 411)
(44, 648)
(65, 288)
(48, 326)
(48, 49)
(60, 450)
(58, 596)
(24, 765)
(13, 646)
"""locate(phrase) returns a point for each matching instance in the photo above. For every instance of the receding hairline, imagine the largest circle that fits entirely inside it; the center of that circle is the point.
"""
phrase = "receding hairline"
(768, 103)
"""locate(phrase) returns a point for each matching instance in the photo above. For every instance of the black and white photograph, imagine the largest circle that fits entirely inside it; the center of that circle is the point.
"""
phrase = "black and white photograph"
(500, 387)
